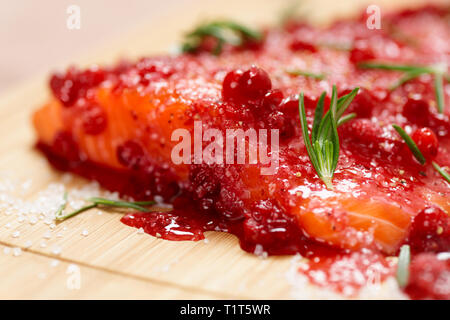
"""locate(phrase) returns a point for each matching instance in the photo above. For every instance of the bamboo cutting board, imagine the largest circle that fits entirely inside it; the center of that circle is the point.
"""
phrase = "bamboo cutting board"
(111, 259)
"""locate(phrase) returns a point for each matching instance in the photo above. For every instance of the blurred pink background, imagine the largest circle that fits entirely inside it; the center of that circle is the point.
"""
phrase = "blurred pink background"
(34, 36)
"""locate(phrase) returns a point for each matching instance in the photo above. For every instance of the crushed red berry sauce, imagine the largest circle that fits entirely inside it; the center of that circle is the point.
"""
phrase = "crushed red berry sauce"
(290, 212)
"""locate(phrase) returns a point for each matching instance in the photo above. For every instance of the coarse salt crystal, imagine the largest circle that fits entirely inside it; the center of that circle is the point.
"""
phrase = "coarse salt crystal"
(28, 244)
(43, 244)
(140, 230)
(84, 233)
(6, 250)
(16, 234)
(47, 235)
(17, 252)
(56, 250)
(54, 263)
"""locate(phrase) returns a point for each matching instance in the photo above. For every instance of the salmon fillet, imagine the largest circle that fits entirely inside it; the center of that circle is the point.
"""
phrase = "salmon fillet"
(115, 124)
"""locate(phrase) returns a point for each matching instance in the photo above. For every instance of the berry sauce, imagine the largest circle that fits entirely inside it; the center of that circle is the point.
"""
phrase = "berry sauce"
(114, 125)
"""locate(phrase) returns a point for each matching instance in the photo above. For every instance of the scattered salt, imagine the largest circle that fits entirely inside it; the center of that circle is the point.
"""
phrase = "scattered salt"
(54, 263)
(56, 250)
(140, 230)
(17, 252)
(16, 234)
(43, 244)
(84, 233)
(28, 244)
(47, 235)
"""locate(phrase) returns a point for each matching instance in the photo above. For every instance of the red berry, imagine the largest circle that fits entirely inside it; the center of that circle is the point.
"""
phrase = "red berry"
(272, 99)
(94, 120)
(130, 154)
(430, 231)
(230, 89)
(426, 141)
(65, 90)
(416, 110)
(299, 45)
(74, 84)
(429, 278)
(65, 146)
(254, 83)
(363, 104)
(361, 52)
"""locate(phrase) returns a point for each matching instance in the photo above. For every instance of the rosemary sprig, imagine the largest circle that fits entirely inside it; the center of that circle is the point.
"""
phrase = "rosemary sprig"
(441, 171)
(297, 72)
(62, 206)
(438, 71)
(404, 259)
(95, 202)
(323, 147)
(220, 30)
(418, 154)
(411, 144)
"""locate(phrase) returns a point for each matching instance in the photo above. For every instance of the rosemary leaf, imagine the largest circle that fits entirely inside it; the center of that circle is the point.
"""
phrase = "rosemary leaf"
(120, 204)
(308, 74)
(442, 172)
(404, 260)
(61, 208)
(74, 213)
(439, 91)
(410, 143)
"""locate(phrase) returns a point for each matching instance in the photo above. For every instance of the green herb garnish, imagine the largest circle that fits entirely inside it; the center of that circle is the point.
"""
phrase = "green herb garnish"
(297, 72)
(438, 71)
(62, 206)
(418, 154)
(223, 31)
(95, 202)
(442, 172)
(323, 146)
(411, 144)
(404, 259)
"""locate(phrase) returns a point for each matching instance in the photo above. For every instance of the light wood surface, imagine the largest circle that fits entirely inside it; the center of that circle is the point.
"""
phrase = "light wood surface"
(114, 260)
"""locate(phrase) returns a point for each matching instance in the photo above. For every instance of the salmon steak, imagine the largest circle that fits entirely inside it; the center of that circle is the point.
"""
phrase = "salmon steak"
(297, 139)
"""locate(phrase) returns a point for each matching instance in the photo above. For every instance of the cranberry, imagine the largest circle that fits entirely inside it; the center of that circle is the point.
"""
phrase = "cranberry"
(299, 45)
(363, 103)
(426, 141)
(74, 84)
(430, 231)
(416, 110)
(230, 89)
(65, 90)
(65, 146)
(272, 99)
(94, 120)
(361, 52)
(254, 83)
(429, 278)
(130, 154)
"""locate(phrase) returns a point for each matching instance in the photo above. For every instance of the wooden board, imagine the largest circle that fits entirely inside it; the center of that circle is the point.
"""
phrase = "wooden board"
(115, 261)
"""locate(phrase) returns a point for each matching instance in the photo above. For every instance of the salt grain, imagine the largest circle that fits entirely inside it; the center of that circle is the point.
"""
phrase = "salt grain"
(47, 235)
(17, 252)
(28, 244)
(84, 233)
(6, 250)
(56, 250)
(16, 234)
(54, 263)
(140, 231)
(43, 244)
